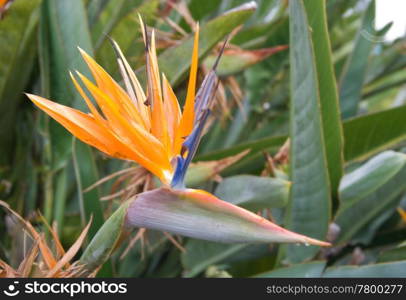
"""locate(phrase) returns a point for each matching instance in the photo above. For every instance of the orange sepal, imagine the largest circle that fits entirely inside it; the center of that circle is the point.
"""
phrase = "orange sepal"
(89, 131)
(188, 116)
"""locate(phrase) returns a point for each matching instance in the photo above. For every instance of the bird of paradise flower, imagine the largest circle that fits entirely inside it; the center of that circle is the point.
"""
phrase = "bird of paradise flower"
(151, 129)
(148, 128)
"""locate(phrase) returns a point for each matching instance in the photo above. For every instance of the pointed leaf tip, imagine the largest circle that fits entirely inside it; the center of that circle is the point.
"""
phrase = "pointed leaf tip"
(198, 214)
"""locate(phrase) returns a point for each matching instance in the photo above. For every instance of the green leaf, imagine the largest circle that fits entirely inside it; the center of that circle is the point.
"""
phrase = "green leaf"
(261, 34)
(387, 62)
(175, 62)
(356, 213)
(94, 9)
(63, 28)
(376, 227)
(199, 11)
(252, 164)
(370, 176)
(17, 56)
(236, 61)
(329, 102)
(390, 81)
(369, 134)
(394, 254)
(395, 269)
(112, 13)
(254, 192)
(200, 255)
(254, 146)
(306, 270)
(104, 242)
(354, 72)
(309, 209)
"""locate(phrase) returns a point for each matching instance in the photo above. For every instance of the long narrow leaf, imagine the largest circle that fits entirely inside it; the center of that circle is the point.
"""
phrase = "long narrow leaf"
(310, 203)
(329, 102)
(17, 36)
(64, 28)
(353, 77)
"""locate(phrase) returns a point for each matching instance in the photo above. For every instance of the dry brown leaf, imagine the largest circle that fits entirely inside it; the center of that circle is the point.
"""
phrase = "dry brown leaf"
(59, 249)
(26, 265)
(71, 252)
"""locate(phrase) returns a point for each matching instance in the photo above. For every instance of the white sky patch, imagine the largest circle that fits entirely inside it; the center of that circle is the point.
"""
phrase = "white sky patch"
(391, 10)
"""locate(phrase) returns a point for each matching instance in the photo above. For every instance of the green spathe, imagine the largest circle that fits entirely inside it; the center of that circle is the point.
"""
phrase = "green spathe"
(198, 214)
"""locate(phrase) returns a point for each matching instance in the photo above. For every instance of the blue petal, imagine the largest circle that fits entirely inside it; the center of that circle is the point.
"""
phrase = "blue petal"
(203, 100)
(191, 143)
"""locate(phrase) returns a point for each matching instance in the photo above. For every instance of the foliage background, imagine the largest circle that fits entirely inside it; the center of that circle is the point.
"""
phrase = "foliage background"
(338, 93)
